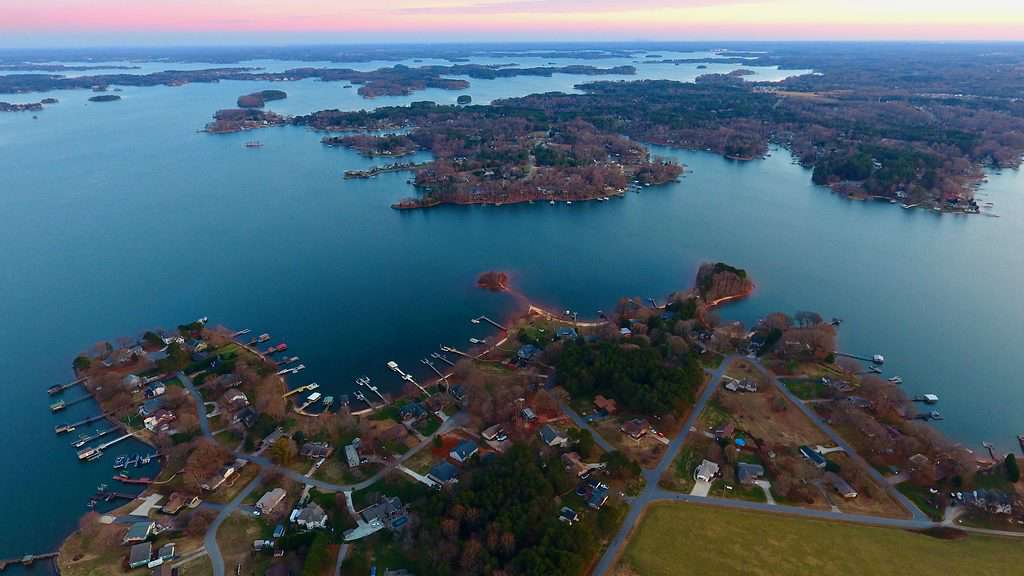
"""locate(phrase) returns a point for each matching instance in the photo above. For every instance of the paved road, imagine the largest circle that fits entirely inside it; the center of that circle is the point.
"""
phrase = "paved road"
(210, 539)
(651, 476)
(342, 554)
(898, 496)
(582, 423)
(204, 424)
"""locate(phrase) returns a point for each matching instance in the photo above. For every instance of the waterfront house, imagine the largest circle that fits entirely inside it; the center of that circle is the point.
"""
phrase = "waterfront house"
(140, 555)
(625, 332)
(748, 473)
(150, 406)
(636, 428)
(131, 382)
(444, 472)
(458, 393)
(235, 399)
(706, 472)
(311, 517)
(139, 532)
(270, 500)
(527, 352)
(552, 436)
(166, 552)
(246, 417)
(174, 503)
(528, 414)
(155, 389)
(598, 496)
(315, 450)
(412, 412)
(464, 451)
(817, 459)
(159, 421)
(565, 332)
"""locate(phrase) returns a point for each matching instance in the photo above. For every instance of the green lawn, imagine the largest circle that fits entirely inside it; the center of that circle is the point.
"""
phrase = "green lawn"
(682, 539)
(805, 389)
(921, 498)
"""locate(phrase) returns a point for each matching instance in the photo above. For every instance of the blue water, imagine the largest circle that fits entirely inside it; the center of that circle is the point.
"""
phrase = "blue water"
(118, 217)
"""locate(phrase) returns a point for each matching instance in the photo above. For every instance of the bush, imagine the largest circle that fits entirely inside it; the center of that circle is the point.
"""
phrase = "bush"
(1012, 468)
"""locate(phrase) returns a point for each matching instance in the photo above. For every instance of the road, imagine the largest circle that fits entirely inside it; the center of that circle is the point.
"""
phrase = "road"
(204, 424)
(210, 539)
(582, 423)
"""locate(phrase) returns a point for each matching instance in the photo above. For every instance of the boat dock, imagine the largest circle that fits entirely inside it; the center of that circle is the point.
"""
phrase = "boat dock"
(294, 370)
(307, 388)
(240, 333)
(26, 560)
(442, 358)
(82, 441)
(62, 428)
(876, 359)
(106, 445)
(456, 351)
(365, 381)
(61, 404)
(478, 319)
(428, 363)
(407, 377)
(62, 387)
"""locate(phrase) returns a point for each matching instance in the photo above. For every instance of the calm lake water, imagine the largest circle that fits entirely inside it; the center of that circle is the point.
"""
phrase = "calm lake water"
(119, 217)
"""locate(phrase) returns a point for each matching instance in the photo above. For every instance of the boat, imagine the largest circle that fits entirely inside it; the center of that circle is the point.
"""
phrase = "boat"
(254, 144)
(89, 454)
(927, 398)
(313, 397)
(935, 415)
(62, 428)
(476, 341)
(896, 380)
(878, 359)
(551, 202)
(57, 406)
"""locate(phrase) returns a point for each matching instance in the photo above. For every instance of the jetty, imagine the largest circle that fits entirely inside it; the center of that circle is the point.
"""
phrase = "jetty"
(85, 439)
(61, 404)
(479, 319)
(110, 443)
(457, 351)
(26, 560)
(294, 370)
(407, 377)
(442, 358)
(875, 359)
(240, 333)
(57, 389)
(365, 381)
(396, 167)
(306, 388)
(428, 363)
(62, 428)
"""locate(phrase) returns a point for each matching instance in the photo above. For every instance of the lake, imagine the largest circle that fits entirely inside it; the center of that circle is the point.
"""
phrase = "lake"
(119, 217)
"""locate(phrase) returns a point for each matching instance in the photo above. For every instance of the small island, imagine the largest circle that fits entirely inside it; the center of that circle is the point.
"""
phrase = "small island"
(259, 99)
(105, 98)
(493, 281)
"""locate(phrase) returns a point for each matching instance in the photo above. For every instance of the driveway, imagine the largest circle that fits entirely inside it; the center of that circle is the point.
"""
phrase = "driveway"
(700, 489)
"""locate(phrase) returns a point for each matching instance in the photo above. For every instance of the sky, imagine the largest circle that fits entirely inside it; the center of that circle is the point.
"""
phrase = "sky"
(44, 23)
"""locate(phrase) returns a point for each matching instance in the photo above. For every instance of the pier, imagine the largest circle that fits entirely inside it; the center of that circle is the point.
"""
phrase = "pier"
(429, 364)
(62, 428)
(456, 351)
(86, 439)
(240, 333)
(62, 387)
(306, 388)
(478, 319)
(365, 381)
(61, 404)
(106, 445)
(294, 370)
(442, 358)
(407, 377)
(876, 359)
(26, 560)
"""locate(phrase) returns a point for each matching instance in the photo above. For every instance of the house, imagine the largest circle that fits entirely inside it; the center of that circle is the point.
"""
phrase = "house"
(270, 500)
(235, 399)
(817, 459)
(150, 406)
(155, 389)
(991, 501)
(919, 460)
(636, 428)
(598, 496)
(131, 382)
(528, 414)
(412, 412)
(606, 405)
(261, 545)
(839, 485)
(552, 437)
(174, 503)
(160, 420)
(565, 332)
(166, 552)
(278, 531)
(315, 450)
(311, 517)
(444, 472)
(568, 515)
(458, 392)
(625, 332)
(527, 352)
(464, 451)
(218, 479)
(495, 433)
(246, 417)
(748, 473)
(352, 454)
(747, 386)
(706, 472)
(140, 554)
(388, 511)
(139, 532)
(573, 464)
(725, 431)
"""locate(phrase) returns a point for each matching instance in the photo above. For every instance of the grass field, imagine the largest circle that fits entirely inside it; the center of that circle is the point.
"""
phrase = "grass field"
(682, 539)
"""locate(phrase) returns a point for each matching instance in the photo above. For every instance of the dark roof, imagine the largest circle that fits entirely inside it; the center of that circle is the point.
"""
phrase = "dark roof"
(140, 554)
(528, 351)
(548, 434)
(465, 449)
(565, 332)
(749, 472)
(444, 471)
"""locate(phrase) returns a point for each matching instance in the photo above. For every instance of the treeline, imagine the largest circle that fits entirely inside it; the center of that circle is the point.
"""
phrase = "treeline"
(638, 376)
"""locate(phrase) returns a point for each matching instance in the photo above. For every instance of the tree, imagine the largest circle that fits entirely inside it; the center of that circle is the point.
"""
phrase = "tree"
(1012, 469)
(317, 557)
(284, 451)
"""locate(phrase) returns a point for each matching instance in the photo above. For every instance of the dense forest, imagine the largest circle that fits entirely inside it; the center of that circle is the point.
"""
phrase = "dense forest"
(639, 376)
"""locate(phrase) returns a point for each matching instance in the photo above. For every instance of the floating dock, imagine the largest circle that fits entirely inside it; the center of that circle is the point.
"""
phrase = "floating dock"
(875, 359)
(62, 428)
(457, 351)
(307, 388)
(365, 381)
(407, 377)
(61, 404)
(442, 358)
(62, 387)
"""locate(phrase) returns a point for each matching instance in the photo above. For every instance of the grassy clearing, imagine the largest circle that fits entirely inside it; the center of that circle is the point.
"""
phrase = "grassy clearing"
(805, 389)
(674, 539)
(921, 498)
